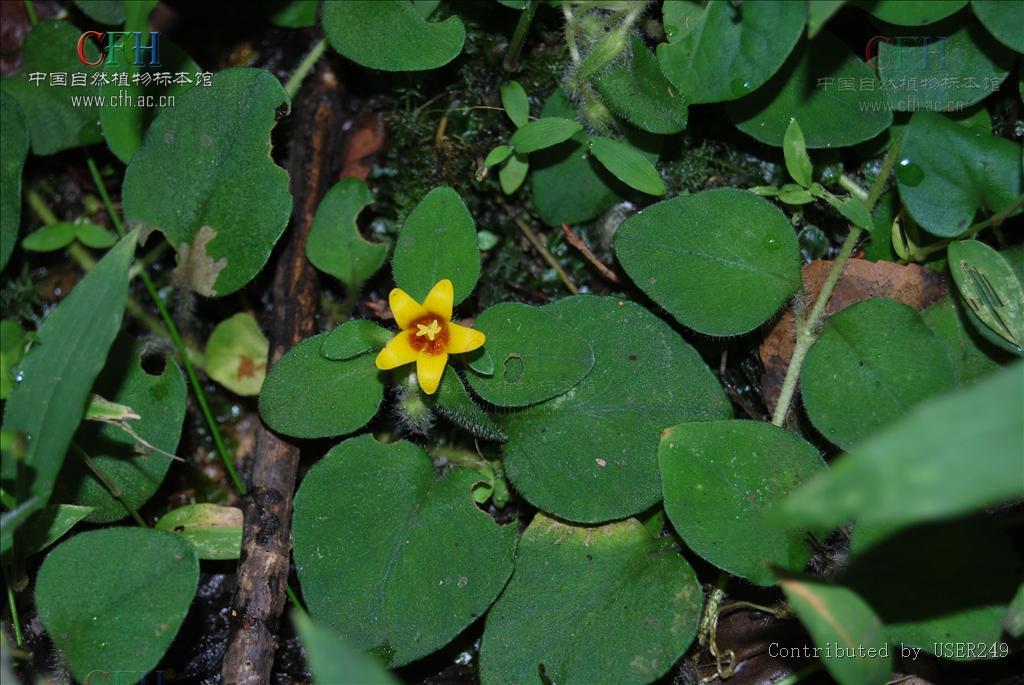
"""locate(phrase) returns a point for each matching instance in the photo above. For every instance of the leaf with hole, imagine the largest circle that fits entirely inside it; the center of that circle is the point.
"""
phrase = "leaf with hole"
(605, 430)
(402, 560)
(230, 202)
(582, 591)
(335, 245)
(214, 531)
(721, 261)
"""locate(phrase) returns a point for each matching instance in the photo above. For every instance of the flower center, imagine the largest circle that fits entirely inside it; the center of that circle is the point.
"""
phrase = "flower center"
(431, 330)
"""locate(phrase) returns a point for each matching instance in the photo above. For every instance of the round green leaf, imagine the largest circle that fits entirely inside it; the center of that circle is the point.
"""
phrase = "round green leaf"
(112, 600)
(138, 470)
(628, 165)
(912, 12)
(354, 337)
(214, 531)
(937, 584)
(230, 202)
(14, 140)
(990, 288)
(50, 237)
(732, 49)
(721, 261)
(236, 354)
(110, 12)
(837, 619)
(873, 362)
(948, 172)
(591, 605)
(636, 89)
(1004, 20)
(538, 355)
(719, 477)
(306, 395)
(398, 559)
(942, 67)
(813, 87)
(335, 245)
(515, 102)
(542, 133)
(391, 35)
(437, 240)
(605, 430)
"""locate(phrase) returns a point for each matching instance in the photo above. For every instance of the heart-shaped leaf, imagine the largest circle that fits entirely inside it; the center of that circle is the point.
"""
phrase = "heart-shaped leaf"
(335, 245)
(400, 560)
(580, 591)
(15, 140)
(112, 600)
(230, 202)
(721, 261)
(236, 354)
(636, 89)
(391, 35)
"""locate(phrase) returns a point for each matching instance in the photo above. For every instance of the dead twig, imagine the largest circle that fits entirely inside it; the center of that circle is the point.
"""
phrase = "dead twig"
(576, 241)
(539, 246)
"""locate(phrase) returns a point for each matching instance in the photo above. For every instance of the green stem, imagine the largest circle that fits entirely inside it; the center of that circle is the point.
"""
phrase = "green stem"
(807, 327)
(305, 66)
(15, 621)
(993, 221)
(293, 598)
(570, 33)
(109, 484)
(172, 330)
(853, 188)
(33, 19)
(511, 61)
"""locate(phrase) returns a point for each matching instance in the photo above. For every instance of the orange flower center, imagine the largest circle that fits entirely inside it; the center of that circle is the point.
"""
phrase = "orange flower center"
(429, 334)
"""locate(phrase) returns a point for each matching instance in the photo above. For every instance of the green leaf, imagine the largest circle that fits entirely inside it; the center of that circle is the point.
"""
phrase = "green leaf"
(353, 338)
(792, 194)
(721, 261)
(912, 12)
(645, 377)
(334, 662)
(335, 245)
(50, 237)
(937, 584)
(719, 478)
(12, 349)
(579, 592)
(636, 90)
(214, 531)
(942, 67)
(837, 618)
(794, 148)
(818, 14)
(159, 399)
(990, 288)
(109, 12)
(453, 402)
(811, 88)
(54, 123)
(679, 17)
(543, 133)
(391, 35)
(236, 354)
(855, 211)
(292, 14)
(569, 185)
(112, 600)
(12, 519)
(880, 245)
(230, 202)
(973, 357)
(1004, 20)
(516, 103)
(538, 356)
(15, 140)
(949, 172)
(48, 525)
(916, 468)
(513, 172)
(628, 165)
(308, 396)
(124, 127)
(397, 560)
(58, 372)
(437, 240)
(873, 362)
(497, 155)
(1014, 621)
(732, 50)
(481, 361)
(94, 236)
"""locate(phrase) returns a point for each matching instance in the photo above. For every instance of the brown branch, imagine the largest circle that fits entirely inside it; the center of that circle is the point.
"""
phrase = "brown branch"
(263, 567)
(576, 241)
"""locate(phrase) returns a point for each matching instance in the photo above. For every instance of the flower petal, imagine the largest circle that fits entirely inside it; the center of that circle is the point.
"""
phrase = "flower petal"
(440, 299)
(462, 339)
(429, 368)
(397, 352)
(405, 309)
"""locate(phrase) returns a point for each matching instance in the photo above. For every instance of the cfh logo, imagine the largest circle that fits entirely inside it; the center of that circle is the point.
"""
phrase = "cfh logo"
(924, 53)
(113, 43)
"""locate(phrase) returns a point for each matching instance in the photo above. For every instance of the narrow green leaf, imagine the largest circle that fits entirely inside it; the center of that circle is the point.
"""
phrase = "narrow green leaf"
(236, 354)
(990, 288)
(94, 236)
(541, 133)
(335, 245)
(628, 165)
(497, 155)
(15, 140)
(516, 103)
(513, 172)
(48, 525)
(335, 662)
(798, 162)
(214, 531)
(50, 237)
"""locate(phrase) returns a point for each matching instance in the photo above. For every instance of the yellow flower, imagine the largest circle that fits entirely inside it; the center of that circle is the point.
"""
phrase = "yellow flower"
(428, 335)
